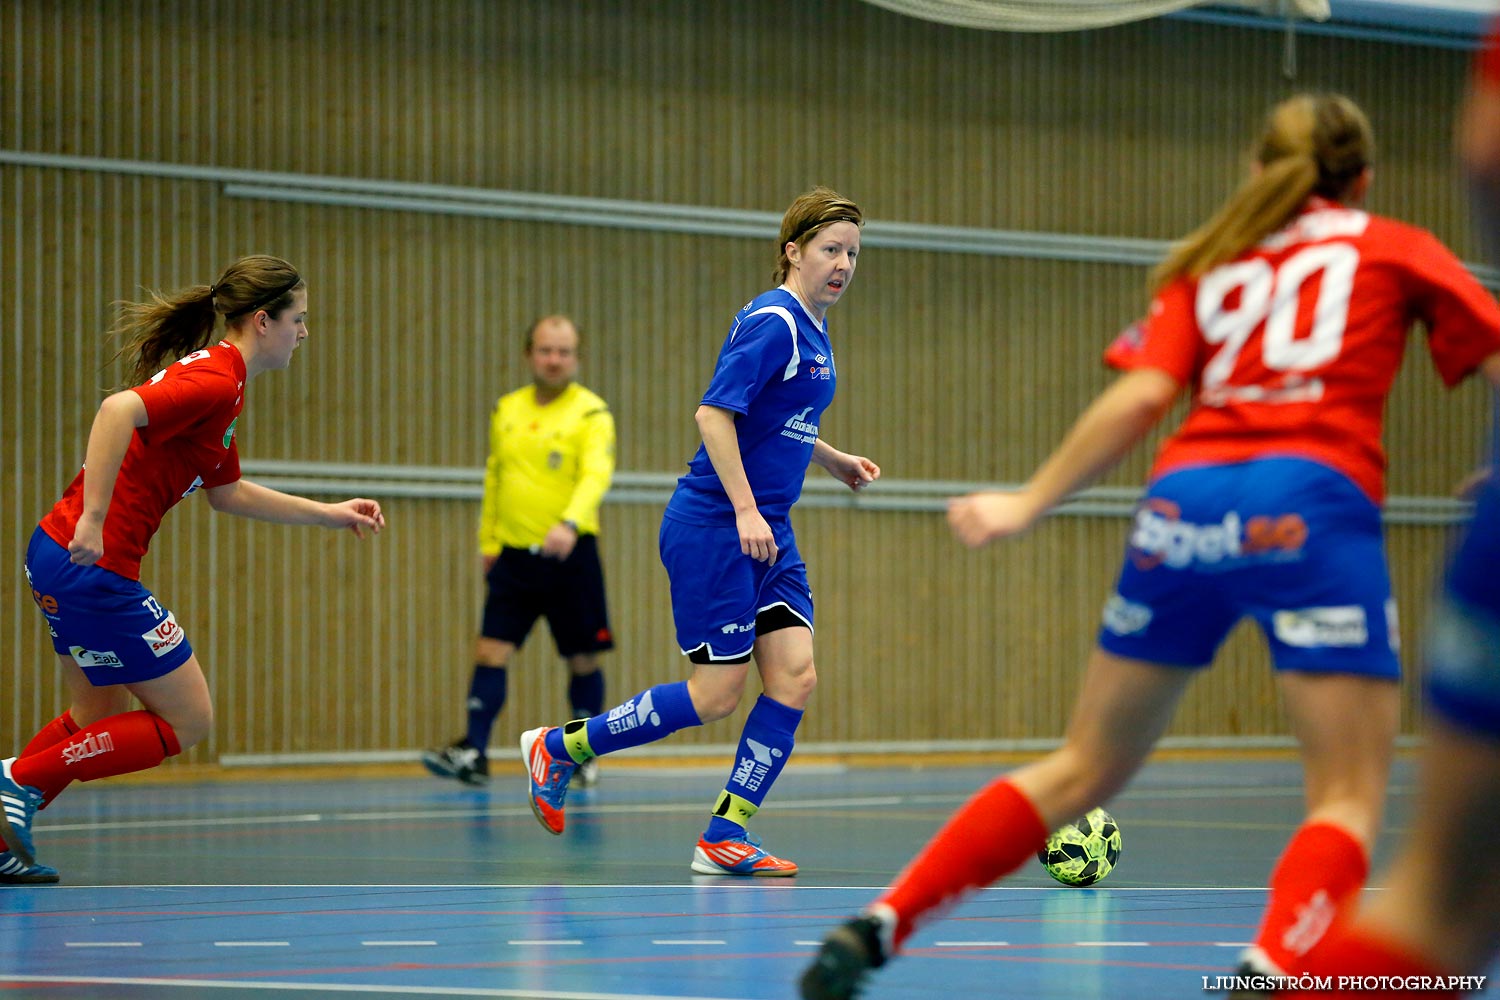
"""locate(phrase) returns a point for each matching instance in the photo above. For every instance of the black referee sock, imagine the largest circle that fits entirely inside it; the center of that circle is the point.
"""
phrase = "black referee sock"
(586, 694)
(486, 699)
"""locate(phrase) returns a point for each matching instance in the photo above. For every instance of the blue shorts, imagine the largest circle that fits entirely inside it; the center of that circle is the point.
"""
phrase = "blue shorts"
(1287, 541)
(1463, 641)
(717, 590)
(112, 627)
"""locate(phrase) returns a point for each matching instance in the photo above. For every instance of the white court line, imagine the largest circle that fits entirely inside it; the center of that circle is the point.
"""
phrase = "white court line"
(53, 890)
(1113, 944)
(1231, 944)
(399, 944)
(394, 991)
(687, 941)
(971, 944)
(451, 815)
(546, 941)
(252, 944)
(101, 944)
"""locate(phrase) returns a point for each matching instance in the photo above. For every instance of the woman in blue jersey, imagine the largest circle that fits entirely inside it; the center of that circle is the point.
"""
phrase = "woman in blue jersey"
(739, 585)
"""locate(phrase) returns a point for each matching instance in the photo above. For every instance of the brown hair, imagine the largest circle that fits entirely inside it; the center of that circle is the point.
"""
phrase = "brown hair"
(809, 215)
(1311, 144)
(171, 326)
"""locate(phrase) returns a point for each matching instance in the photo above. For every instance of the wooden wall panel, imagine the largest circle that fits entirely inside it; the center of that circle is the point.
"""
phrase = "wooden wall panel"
(953, 367)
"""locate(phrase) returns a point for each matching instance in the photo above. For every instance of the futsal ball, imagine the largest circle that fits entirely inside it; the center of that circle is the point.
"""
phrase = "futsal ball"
(1083, 851)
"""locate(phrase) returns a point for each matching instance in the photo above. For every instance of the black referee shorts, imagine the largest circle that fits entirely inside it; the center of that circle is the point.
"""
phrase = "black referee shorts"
(524, 586)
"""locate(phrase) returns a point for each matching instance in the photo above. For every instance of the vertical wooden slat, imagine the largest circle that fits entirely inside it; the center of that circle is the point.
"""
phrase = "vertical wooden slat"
(951, 367)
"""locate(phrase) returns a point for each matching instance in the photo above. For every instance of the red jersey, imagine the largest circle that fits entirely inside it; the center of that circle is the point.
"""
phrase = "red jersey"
(188, 442)
(1291, 348)
(1487, 63)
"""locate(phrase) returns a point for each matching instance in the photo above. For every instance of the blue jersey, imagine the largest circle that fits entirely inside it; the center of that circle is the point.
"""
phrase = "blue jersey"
(776, 372)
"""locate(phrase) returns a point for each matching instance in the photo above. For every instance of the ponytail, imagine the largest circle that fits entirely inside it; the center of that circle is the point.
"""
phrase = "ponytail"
(1312, 144)
(167, 327)
(1262, 205)
(163, 329)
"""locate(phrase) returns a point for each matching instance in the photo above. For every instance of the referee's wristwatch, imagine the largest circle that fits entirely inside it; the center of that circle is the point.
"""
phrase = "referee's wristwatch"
(573, 525)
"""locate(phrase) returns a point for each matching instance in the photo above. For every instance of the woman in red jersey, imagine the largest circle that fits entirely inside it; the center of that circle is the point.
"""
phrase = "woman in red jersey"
(169, 436)
(1436, 927)
(1286, 317)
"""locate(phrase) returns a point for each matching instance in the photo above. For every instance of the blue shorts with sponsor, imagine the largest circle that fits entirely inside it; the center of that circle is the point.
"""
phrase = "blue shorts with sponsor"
(717, 590)
(1288, 542)
(1463, 642)
(112, 627)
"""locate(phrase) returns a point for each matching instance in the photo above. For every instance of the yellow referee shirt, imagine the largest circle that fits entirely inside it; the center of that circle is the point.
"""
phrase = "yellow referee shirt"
(547, 464)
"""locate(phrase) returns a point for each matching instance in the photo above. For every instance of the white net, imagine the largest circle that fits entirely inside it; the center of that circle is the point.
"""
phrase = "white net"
(1073, 15)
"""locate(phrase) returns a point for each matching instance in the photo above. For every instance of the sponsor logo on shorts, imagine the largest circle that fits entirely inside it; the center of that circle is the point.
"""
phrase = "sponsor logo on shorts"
(165, 637)
(91, 745)
(96, 657)
(632, 715)
(1162, 538)
(1124, 617)
(734, 627)
(46, 602)
(1308, 628)
(751, 771)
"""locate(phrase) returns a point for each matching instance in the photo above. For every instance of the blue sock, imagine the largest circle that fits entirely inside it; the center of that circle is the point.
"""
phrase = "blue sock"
(586, 694)
(486, 699)
(765, 745)
(646, 718)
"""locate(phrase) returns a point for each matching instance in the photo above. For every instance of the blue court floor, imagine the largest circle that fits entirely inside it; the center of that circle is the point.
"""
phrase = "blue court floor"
(410, 886)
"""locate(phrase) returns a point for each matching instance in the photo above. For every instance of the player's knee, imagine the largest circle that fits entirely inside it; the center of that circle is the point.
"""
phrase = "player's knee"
(796, 686)
(491, 652)
(716, 705)
(715, 698)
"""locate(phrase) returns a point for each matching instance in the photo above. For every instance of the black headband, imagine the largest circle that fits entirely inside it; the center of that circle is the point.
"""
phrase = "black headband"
(265, 299)
(819, 224)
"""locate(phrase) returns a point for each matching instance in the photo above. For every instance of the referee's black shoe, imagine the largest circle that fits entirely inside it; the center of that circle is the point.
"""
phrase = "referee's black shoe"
(460, 760)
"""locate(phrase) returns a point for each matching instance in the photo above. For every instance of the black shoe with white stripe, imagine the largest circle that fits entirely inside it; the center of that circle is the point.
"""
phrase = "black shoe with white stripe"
(14, 871)
(460, 760)
(18, 804)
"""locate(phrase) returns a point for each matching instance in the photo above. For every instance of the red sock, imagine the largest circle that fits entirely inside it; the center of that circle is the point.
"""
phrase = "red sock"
(131, 741)
(1357, 952)
(990, 836)
(59, 728)
(1314, 886)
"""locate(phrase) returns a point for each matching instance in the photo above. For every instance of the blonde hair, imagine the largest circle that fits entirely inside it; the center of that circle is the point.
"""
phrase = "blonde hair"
(1312, 144)
(809, 215)
(173, 325)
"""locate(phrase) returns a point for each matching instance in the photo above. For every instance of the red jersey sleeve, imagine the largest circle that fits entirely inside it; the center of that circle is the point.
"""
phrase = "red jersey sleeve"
(1461, 316)
(1487, 63)
(1166, 339)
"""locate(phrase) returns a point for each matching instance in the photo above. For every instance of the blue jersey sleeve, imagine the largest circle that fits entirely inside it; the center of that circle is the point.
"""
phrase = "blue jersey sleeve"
(761, 349)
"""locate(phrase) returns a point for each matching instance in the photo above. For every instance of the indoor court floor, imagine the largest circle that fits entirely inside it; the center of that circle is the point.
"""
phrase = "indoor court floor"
(410, 886)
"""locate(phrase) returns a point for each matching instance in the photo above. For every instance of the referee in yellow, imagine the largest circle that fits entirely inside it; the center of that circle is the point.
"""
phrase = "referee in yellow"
(552, 455)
